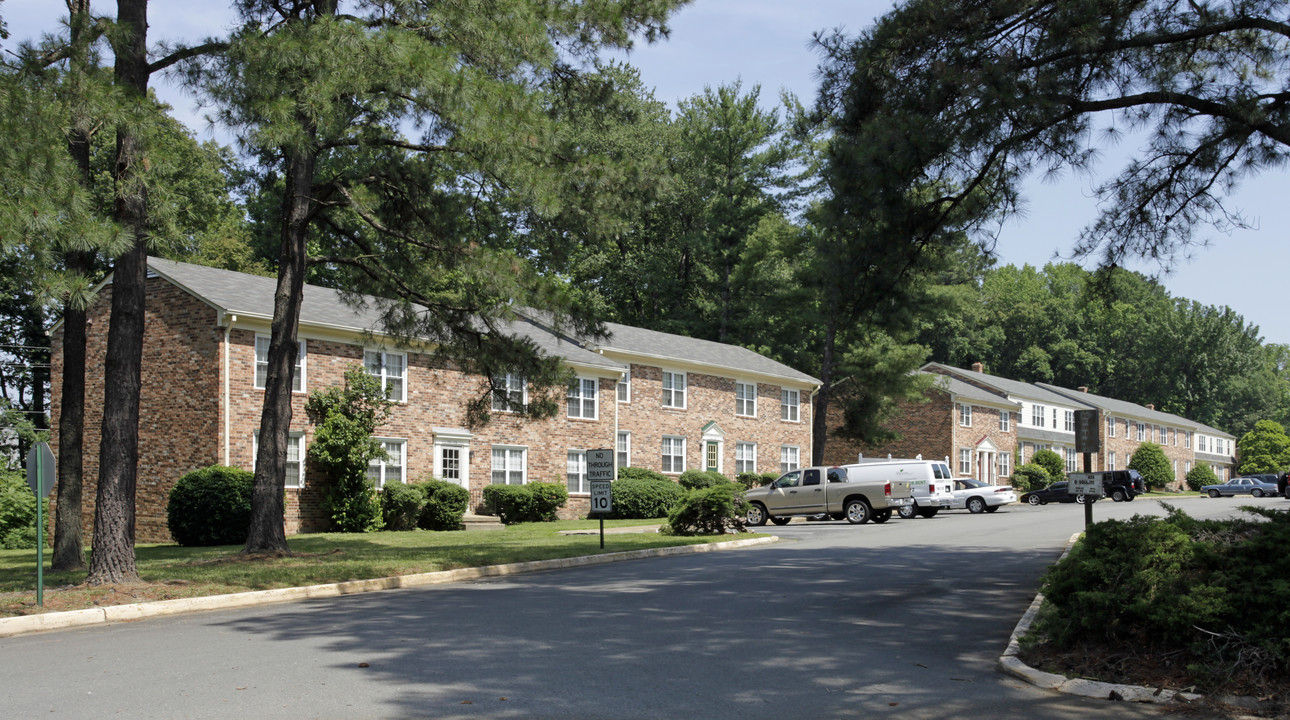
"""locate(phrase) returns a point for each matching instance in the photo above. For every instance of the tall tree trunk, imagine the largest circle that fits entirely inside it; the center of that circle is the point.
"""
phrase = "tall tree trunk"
(112, 560)
(69, 543)
(820, 411)
(267, 532)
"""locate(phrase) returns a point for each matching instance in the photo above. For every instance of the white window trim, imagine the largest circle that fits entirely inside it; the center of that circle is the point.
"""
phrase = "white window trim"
(302, 364)
(1068, 420)
(793, 408)
(384, 376)
(1037, 413)
(446, 438)
(508, 379)
(965, 461)
(796, 463)
(670, 394)
(965, 415)
(580, 457)
(673, 445)
(581, 382)
(1004, 464)
(1110, 426)
(382, 464)
(750, 447)
(624, 387)
(524, 463)
(298, 437)
(746, 400)
(623, 438)
(1005, 421)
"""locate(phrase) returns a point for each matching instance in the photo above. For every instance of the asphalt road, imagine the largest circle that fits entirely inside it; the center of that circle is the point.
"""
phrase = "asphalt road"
(900, 620)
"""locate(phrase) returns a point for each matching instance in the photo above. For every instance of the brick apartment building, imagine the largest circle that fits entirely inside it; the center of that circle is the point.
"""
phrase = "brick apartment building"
(665, 402)
(985, 426)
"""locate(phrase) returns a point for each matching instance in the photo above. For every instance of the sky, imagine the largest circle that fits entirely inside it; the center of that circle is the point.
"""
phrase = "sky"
(767, 43)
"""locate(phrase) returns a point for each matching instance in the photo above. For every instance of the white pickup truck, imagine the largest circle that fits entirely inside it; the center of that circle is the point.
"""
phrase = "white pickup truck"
(826, 491)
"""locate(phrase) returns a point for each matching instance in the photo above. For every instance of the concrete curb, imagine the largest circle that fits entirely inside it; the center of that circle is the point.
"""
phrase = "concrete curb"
(1010, 664)
(25, 624)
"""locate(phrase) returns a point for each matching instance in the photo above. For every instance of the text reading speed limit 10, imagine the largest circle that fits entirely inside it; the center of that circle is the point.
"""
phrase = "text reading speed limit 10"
(600, 473)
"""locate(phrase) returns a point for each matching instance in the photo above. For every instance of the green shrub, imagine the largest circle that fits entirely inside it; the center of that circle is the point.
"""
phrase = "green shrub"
(401, 505)
(643, 495)
(697, 479)
(755, 480)
(18, 512)
(510, 503)
(1204, 591)
(445, 504)
(1150, 461)
(548, 498)
(710, 510)
(637, 473)
(1200, 476)
(1050, 462)
(211, 506)
(1030, 477)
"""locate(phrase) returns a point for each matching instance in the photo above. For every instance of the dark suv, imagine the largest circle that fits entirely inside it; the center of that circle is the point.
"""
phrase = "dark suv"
(1122, 485)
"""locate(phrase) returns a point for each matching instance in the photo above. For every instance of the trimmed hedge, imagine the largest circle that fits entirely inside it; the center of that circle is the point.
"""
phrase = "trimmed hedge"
(445, 504)
(698, 479)
(1030, 477)
(211, 506)
(401, 505)
(640, 494)
(755, 480)
(534, 502)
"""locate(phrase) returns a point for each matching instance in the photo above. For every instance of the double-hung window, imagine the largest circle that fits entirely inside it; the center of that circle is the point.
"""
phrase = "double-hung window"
(1037, 415)
(674, 390)
(965, 461)
(789, 405)
(1110, 460)
(1071, 458)
(1142, 432)
(1005, 421)
(745, 457)
(391, 468)
(746, 399)
(582, 398)
(295, 474)
(790, 458)
(509, 393)
(624, 448)
(262, 365)
(509, 465)
(965, 415)
(1110, 426)
(1069, 418)
(673, 454)
(576, 471)
(625, 387)
(1005, 461)
(391, 369)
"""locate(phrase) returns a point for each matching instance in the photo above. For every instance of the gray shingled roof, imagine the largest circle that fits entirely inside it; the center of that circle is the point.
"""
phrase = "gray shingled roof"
(1124, 407)
(969, 391)
(1015, 388)
(252, 296)
(666, 346)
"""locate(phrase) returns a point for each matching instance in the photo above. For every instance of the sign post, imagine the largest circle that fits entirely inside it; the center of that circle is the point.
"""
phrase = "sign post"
(1088, 440)
(40, 478)
(600, 474)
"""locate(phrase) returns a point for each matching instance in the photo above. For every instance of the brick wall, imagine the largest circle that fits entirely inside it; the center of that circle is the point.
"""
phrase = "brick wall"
(710, 398)
(178, 403)
(923, 428)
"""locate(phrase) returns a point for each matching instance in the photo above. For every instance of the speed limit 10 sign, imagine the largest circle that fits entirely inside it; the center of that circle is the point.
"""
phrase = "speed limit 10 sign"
(600, 473)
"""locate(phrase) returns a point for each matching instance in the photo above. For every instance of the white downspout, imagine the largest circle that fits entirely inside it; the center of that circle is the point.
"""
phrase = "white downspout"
(228, 329)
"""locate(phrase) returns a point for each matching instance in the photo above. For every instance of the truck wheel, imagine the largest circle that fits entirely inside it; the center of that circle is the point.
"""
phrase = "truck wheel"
(1117, 495)
(907, 512)
(780, 520)
(928, 513)
(976, 505)
(858, 512)
(756, 515)
(881, 516)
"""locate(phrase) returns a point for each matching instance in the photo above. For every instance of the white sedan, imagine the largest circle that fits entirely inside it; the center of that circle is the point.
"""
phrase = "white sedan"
(978, 497)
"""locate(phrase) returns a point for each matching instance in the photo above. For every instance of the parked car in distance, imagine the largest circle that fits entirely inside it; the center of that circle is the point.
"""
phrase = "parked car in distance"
(978, 497)
(1122, 485)
(1241, 486)
(1057, 492)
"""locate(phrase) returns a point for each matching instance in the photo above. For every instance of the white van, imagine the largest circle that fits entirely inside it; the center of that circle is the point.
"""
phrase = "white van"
(931, 481)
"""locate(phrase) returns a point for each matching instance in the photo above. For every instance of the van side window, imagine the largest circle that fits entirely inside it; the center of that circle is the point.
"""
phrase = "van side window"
(940, 472)
(837, 475)
(811, 477)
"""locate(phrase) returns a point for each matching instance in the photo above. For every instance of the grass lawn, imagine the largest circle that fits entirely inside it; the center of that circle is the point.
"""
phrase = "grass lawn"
(171, 571)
